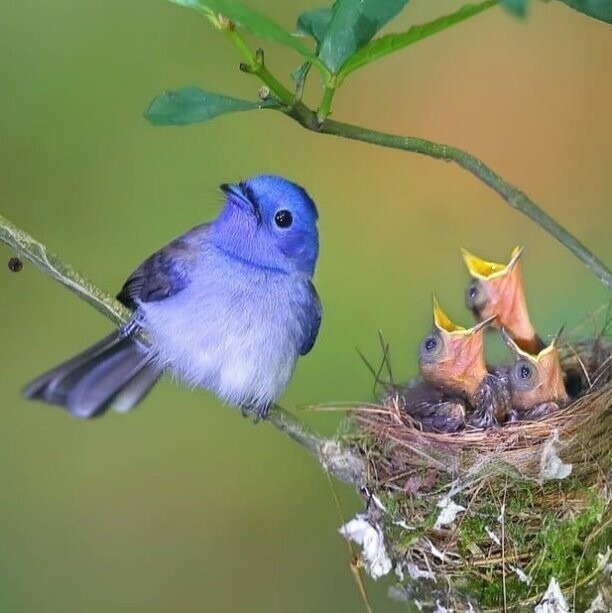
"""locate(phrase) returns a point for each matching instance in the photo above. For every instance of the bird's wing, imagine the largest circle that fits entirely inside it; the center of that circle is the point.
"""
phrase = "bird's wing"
(166, 272)
(313, 321)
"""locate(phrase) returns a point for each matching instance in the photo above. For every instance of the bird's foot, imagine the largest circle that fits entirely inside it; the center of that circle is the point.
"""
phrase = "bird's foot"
(129, 328)
(259, 412)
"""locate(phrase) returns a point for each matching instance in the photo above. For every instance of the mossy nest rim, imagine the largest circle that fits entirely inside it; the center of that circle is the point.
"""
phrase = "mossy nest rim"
(534, 497)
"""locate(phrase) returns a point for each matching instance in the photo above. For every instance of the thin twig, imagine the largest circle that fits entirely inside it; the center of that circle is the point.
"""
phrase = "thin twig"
(354, 558)
(386, 356)
(512, 195)
(503, 544)
(39, 255)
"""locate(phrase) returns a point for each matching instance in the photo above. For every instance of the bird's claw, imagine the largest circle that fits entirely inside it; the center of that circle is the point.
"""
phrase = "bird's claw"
(129, 328)
(259, 412)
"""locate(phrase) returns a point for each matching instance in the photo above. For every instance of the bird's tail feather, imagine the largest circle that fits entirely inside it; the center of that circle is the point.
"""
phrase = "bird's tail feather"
(116, 371)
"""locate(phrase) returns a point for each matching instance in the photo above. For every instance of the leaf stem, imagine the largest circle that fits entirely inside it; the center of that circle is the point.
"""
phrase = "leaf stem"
(280, 91)
(391, 43)
(255, 65)
(325, 107)
(236, 39)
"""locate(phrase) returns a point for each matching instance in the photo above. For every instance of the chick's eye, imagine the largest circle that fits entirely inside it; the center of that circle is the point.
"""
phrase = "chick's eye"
(283, 218)
(429, 344)
(475, 296)
(430, 349)
(524, 376)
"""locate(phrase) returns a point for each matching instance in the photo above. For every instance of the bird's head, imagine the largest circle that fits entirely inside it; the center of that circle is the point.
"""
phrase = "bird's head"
(535, 379)
(268, 221)
(452, 357)
(497, 290)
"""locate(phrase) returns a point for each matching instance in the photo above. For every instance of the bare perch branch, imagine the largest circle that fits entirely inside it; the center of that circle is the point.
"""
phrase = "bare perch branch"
(38, 254)
(341, 462)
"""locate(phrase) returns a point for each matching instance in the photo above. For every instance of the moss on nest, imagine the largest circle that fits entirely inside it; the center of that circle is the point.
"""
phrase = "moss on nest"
(535, 496)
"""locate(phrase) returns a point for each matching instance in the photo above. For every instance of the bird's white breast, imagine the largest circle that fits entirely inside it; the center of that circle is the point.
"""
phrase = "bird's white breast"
(234, 330)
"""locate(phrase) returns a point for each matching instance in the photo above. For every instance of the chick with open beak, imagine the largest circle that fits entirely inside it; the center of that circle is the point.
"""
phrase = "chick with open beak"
(438, 402)
(497, 290)
(536, 381)
(451, 359)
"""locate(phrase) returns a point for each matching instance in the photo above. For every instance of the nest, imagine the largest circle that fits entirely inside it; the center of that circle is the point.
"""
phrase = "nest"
(485, 518)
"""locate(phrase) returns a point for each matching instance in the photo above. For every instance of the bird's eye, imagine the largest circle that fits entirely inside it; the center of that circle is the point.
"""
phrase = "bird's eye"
(283, 218)
(524, 375)
(475, 296)
(430, 349)
(430, 343)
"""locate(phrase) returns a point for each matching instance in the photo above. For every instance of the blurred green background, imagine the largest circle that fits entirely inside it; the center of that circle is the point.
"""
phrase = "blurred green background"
(182, 504)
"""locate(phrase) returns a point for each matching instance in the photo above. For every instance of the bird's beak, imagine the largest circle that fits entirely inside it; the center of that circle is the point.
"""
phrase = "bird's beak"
(549, 385)
(444, 324)
(504, 296)
(484, 270)
(551, 373)
(557, 337)
(462, 367)
(241, 195)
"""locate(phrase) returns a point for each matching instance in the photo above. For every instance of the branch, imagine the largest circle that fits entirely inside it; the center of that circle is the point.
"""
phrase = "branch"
(517, 199)
(38, 254)
(341, 462)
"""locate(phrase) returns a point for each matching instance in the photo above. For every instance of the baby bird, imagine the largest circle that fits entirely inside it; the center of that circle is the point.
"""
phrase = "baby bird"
(431, 408)
(497, 290)
(451, 360)
(451, 357)
(536, 381)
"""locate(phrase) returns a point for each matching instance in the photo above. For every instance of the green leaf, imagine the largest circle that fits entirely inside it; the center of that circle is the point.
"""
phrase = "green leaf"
(390, 43)
(314, 23)
(600, 9)
(254, 22)
(516, 7)
(299, 74)
(193, 105)
(311, 23)
(353, 24)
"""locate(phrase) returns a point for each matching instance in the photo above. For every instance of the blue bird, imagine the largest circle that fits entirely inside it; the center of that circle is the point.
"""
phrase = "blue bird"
(228, 306)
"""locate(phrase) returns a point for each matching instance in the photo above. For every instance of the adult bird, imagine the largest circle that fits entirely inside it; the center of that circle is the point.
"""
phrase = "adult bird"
(228, 306)
(497, 289)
